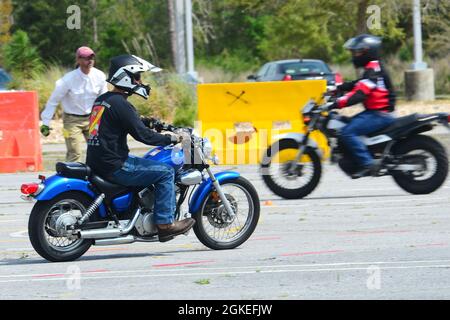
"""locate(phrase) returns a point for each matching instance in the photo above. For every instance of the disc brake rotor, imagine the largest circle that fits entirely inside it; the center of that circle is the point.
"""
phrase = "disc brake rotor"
(216, 212)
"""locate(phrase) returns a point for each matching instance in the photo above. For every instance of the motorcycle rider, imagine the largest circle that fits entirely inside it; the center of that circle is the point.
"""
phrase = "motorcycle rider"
(374, 89)
(112, 119)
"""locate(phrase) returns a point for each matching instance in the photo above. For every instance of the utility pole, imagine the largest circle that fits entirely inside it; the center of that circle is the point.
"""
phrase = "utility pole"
(190, 41)
(417, 28)
(182, 40)
(419, 81)
(94, 21)
(177, 34)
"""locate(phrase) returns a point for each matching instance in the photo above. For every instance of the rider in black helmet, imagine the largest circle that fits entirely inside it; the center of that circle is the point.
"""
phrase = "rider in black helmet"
(112, 119)
(375, 91)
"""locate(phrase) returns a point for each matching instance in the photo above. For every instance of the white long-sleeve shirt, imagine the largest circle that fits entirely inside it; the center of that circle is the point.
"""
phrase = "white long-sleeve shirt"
(76, 92)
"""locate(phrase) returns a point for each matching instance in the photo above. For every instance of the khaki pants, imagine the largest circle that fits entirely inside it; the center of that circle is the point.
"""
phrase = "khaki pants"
(76, 132)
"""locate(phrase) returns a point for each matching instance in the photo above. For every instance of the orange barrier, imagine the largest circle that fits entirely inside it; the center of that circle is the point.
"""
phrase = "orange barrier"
(20, 145)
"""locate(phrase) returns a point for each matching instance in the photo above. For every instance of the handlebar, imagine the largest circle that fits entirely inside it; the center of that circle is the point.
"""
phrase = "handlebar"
(158, 125)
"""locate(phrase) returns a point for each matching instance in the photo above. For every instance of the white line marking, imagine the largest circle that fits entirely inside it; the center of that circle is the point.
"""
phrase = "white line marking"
(256, 267)
(19, 234)
(196, 274)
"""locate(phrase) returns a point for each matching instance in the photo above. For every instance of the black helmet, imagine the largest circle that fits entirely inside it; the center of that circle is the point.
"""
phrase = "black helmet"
(364, 48)
(124, 70)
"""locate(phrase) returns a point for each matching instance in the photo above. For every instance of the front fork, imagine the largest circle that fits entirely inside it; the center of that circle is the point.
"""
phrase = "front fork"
(216, 184)
(293, 168)
(222, 196)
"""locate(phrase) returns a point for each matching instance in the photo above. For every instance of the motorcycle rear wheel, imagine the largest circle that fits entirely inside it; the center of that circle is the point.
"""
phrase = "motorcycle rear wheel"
(415, 184)
(43, 236)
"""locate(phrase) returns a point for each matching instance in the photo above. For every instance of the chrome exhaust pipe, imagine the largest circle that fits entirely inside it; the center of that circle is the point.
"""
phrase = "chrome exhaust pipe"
(100, 234)
(110, 232)
(115, 241)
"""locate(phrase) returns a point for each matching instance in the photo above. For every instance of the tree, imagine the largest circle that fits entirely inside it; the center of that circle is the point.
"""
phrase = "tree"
(5, 22)
(436, 27)
(20, 57)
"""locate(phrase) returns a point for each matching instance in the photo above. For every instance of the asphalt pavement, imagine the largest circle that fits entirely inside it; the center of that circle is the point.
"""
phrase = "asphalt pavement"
(350, 239)
(363, 239)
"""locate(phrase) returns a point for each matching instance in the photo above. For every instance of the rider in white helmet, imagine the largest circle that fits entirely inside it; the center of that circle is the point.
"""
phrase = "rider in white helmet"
(112, 119)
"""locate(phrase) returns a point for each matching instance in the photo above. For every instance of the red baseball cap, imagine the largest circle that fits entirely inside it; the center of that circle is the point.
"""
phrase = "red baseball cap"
(85, 52)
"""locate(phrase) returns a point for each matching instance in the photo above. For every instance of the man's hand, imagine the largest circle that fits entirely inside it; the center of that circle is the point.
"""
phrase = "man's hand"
(153, 123)
(149, 122)
(332, 106)
(45, 130)
(146, 121)
(175, 139)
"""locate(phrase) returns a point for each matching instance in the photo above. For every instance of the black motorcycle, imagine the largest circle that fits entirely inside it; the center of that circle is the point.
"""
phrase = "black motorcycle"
(291, 167)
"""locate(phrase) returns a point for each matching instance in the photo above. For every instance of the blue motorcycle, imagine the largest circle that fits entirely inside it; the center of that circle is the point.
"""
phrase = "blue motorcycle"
(76, 208)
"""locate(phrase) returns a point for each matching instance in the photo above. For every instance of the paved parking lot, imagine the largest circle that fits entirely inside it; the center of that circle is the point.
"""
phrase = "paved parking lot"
(363, 239)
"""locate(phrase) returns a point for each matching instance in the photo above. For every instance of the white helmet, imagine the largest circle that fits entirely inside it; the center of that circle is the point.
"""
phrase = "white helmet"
(124, 70)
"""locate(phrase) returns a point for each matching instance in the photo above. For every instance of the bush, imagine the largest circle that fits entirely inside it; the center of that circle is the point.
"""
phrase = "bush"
(172, 99)
(441, 75)
(397, 67)
(44, 83)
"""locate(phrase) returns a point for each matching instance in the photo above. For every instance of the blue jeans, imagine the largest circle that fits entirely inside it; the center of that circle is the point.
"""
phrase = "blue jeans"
(364, 123)
(138, 172)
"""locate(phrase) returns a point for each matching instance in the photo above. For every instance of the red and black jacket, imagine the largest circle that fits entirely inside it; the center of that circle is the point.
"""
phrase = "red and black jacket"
(374, 90)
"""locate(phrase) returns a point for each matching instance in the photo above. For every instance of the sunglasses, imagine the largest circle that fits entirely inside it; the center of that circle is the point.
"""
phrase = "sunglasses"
(87, 58)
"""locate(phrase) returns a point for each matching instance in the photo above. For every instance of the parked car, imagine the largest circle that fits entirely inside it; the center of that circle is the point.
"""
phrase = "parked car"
(297, 69)
(5, 78)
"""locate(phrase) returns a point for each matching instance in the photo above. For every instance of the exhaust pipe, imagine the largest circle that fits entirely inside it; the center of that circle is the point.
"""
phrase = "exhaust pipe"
(115, 241)
(101, 234)
(110, 233)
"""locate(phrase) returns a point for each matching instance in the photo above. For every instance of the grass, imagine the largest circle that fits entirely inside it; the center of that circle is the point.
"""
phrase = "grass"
(202, 281)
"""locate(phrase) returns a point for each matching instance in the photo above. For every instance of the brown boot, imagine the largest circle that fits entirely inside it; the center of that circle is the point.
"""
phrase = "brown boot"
(167, 232)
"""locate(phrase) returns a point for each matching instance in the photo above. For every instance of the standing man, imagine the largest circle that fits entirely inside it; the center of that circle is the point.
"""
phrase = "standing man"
(76, 91)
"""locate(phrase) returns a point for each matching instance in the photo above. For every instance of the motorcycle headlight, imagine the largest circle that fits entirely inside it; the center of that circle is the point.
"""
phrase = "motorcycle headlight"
(207, 148)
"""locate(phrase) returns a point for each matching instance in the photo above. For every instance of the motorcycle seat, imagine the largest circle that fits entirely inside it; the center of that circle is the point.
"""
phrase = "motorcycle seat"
(110, 190)
(399, 123)
(75, 170)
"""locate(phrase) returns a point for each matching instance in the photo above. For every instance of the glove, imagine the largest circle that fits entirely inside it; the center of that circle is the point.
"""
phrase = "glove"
(152, 123)
(146, 121)
(175, 139)
(149, 122)
(45, 130)
(333, 106)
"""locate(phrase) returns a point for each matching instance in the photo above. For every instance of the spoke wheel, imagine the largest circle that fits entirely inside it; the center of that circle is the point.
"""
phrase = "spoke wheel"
(215, 228)
(287, 178)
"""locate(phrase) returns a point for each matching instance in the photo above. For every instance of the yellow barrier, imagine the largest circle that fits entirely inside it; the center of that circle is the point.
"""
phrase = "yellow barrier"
(242, 119)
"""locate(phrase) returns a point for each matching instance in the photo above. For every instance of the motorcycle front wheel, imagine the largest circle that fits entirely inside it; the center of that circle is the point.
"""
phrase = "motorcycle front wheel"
(284, 182)
(215, 229)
